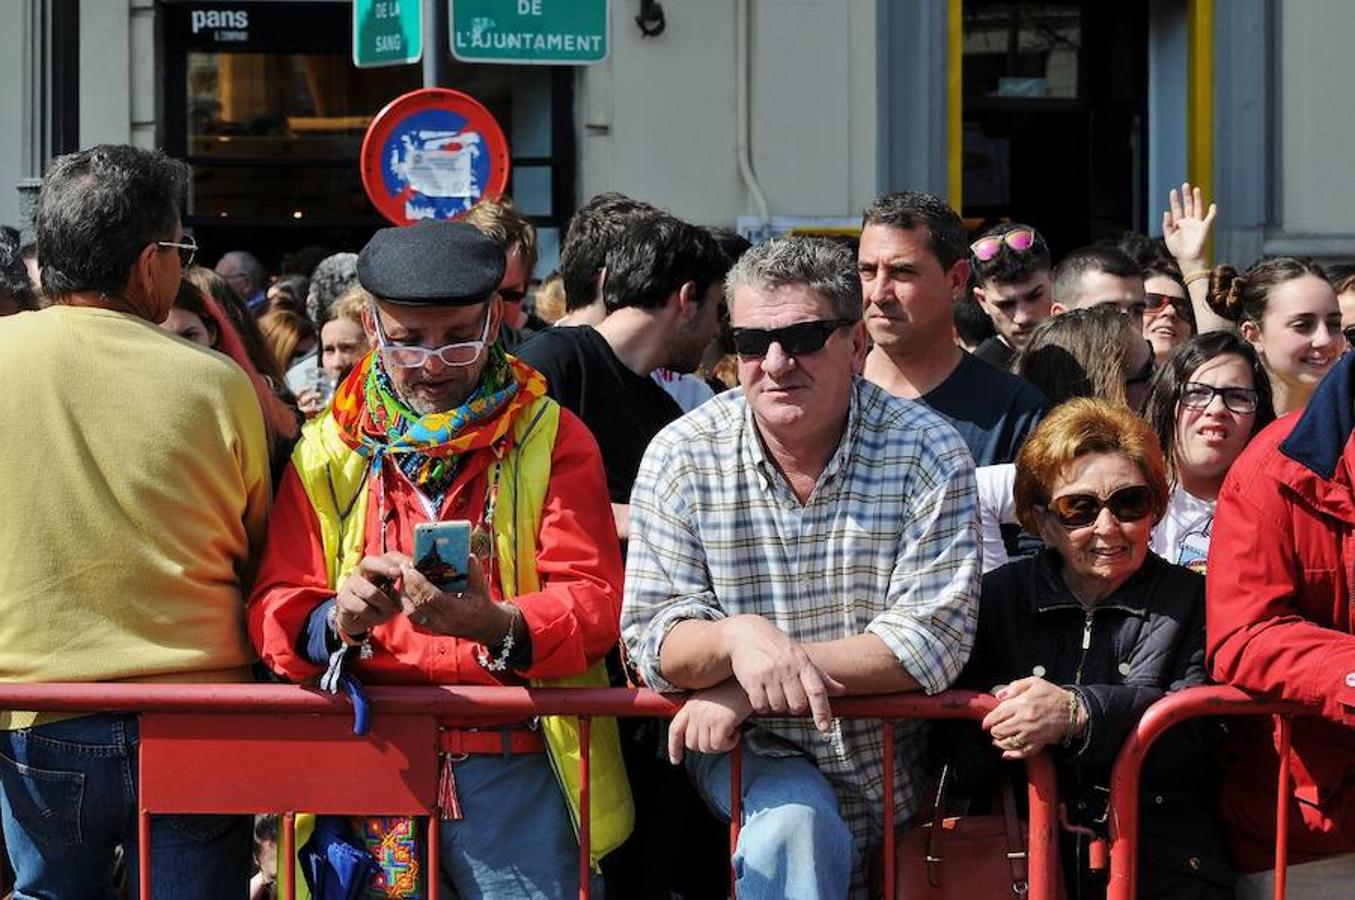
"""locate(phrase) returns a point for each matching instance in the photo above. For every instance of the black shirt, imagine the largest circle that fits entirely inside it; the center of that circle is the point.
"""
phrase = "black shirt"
(996, 352)
(993, 410)
(622, 409)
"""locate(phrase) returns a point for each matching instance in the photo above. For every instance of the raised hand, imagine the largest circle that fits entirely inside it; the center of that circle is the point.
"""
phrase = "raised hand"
(1186, 226)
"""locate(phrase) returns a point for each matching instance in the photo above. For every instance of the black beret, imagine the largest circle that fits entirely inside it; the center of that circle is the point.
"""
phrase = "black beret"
(431, 263)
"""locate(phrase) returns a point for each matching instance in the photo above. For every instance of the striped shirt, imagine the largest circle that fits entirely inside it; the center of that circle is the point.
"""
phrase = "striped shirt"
(887, 544)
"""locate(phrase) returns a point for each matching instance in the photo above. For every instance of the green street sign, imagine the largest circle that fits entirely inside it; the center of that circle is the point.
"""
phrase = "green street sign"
(387, 33)
(549, 32)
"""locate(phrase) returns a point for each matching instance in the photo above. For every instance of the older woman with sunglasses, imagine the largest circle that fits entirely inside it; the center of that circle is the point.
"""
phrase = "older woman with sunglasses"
(1079, 640)
(1209, 400)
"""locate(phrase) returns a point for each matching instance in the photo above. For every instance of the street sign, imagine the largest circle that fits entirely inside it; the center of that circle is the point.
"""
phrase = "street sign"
(387, 32)
(432, 154)
(549, 32)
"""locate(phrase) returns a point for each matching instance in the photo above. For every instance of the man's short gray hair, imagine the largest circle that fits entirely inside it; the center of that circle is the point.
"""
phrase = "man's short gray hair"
(823, 265)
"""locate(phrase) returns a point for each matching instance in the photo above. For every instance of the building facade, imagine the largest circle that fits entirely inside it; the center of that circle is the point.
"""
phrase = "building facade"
(1077, 116)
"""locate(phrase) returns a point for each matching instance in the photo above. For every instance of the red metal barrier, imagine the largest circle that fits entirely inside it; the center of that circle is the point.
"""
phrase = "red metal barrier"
(1124, 781)
(285, 748)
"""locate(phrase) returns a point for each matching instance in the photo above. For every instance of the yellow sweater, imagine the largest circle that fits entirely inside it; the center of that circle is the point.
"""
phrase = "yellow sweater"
(133, 503)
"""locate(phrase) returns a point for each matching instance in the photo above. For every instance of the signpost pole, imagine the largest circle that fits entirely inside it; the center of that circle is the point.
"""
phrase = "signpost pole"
(435, 43)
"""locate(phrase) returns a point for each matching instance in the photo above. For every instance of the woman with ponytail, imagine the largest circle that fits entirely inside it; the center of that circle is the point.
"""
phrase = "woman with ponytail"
(1288, 312)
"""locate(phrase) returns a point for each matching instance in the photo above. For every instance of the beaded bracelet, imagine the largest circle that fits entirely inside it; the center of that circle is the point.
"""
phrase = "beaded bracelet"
(500, 662)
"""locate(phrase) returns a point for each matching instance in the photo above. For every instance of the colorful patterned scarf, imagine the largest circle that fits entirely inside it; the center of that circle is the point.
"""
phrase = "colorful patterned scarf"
(376, 423)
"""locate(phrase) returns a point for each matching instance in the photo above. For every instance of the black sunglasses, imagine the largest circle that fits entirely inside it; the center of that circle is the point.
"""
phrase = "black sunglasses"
(1128, 504)
(799, 339)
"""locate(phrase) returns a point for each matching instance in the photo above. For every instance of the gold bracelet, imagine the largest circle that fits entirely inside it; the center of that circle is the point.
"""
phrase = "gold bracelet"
(1194, 277)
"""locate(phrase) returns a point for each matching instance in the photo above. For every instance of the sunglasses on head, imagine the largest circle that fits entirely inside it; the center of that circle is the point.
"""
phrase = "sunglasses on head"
(1128, 504)
(1021, 240)
(799, 339)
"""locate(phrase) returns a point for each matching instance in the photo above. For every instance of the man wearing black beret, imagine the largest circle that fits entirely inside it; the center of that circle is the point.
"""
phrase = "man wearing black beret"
(439, 424)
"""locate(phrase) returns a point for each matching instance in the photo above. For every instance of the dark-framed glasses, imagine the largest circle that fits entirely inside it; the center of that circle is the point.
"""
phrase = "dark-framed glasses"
(1021, 240)
(187, 248)
(799, 339)
(1128, 504)
(1197, 395)
(408, 356)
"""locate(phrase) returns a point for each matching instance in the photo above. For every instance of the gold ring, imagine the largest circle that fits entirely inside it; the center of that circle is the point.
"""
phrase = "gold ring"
(1015, 743)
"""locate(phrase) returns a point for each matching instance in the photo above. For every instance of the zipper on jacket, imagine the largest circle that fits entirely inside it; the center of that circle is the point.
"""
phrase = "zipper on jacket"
(1077, 769)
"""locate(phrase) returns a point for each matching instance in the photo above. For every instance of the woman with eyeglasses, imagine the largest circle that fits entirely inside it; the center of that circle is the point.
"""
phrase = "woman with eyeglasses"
(1079, 640)
(1288, 312)
(1168, 321)
(1209, 400)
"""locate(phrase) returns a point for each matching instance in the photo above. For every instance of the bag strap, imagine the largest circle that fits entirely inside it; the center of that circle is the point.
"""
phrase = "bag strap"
(1016, 846)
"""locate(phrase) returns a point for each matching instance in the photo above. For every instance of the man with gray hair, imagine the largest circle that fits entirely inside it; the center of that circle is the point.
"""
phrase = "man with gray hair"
(808, 536)
(246, 276)
(332, 277)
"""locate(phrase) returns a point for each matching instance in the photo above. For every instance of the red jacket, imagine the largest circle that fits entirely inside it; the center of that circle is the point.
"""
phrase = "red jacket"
(1278, 613)
(573, 620)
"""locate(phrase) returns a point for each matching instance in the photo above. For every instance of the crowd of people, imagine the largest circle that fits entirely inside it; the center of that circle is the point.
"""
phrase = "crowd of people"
(764, 476)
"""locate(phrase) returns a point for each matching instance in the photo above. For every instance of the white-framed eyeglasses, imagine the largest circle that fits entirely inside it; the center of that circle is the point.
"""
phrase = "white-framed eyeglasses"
(187, 248)
(408, 356)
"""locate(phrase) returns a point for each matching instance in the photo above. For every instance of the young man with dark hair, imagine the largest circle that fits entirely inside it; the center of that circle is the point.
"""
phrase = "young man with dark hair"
(914, 267)
(583, 252)
(1010, 265)
(662, 296)
(1090, 276)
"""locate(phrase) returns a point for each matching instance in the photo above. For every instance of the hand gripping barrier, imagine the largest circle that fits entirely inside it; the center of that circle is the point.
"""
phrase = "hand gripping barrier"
(1124, 780)
(246, 748)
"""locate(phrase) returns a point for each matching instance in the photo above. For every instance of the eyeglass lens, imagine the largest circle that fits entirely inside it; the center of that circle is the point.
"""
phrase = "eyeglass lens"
(1129, 504)
(1197, 395)
(799, 339)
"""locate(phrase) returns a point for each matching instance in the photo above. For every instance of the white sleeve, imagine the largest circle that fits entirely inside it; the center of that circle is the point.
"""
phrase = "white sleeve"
(996, 508)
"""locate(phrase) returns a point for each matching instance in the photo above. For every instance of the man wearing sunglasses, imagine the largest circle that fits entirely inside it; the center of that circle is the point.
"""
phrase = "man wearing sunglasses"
(807, 536)
(914, 267)
(1010, 265)
(500, 220)
(439, 424)
(135, 473)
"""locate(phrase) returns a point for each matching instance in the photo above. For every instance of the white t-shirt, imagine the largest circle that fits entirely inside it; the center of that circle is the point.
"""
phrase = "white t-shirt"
(688, 390)
(997, 507)
(1182, 537)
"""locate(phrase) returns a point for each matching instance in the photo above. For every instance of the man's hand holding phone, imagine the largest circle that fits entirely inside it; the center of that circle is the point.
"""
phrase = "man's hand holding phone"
(471, 614)
(367, 596)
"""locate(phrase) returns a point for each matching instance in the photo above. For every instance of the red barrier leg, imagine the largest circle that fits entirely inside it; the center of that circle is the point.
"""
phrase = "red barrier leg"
(1282, 809)
(1043, 850)
(289, 851)
(143, 852)
(585, 813)
(889, 806)
(735, 810)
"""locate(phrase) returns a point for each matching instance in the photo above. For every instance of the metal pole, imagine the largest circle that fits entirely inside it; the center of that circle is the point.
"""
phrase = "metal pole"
(435, 43)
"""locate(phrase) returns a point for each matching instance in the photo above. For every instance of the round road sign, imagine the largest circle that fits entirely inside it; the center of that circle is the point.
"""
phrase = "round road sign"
(432, 154)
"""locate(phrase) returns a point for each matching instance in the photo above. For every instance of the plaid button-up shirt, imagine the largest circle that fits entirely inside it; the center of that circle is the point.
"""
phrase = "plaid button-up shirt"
(887, 544)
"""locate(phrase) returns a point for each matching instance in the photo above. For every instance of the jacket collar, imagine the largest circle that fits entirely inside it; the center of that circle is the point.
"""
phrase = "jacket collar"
(1317, 457)
(1051, 593)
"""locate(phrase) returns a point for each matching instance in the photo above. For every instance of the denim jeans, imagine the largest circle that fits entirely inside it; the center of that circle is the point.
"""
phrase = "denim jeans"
(68, 800)
(515, 840)
(793, 842)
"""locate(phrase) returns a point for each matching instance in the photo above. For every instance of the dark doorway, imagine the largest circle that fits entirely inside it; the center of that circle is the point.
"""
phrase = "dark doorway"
(1055, 114)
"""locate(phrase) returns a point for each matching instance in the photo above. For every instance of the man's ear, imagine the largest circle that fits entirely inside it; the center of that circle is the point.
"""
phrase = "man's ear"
(982, 299)
(495, 318)
(685, 300)
(959, 278)
(1056, 308)
(369, 324)
(141, 279)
